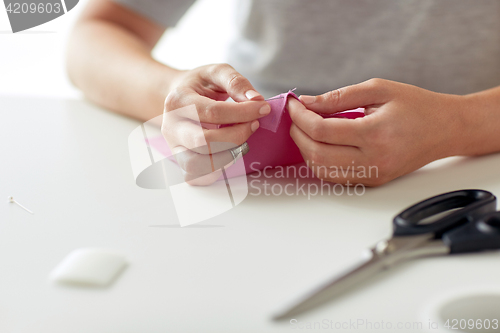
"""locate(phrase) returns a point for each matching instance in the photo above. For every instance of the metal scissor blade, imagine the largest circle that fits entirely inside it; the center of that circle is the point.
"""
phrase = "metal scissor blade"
(385, 254)
(335, 287)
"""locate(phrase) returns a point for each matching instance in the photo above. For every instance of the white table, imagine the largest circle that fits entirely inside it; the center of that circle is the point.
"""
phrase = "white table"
(68, 161)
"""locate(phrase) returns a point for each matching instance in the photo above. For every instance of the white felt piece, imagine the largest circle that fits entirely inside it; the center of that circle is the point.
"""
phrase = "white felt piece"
(89, 266)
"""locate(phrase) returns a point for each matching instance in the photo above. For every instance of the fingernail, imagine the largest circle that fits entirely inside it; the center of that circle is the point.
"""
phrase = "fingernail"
(266, 109)
(255, 125)
(307, 99)
(252, 94)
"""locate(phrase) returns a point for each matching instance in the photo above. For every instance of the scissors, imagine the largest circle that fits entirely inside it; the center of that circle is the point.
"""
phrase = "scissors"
(451, 223)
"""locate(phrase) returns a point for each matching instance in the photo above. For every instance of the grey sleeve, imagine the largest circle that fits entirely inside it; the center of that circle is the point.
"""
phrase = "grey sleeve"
(164, 12)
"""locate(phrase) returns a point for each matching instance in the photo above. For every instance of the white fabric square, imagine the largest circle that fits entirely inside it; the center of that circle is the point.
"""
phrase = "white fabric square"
(90, 267)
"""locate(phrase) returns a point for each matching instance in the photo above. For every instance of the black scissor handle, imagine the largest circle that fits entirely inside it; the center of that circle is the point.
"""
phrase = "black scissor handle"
(483, 234)
(472, 204)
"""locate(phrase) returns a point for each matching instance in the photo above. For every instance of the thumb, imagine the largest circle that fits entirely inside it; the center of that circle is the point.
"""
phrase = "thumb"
(233, 83)
(371, 92)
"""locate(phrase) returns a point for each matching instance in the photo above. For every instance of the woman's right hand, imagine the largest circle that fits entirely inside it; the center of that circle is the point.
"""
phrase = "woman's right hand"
(194, 109)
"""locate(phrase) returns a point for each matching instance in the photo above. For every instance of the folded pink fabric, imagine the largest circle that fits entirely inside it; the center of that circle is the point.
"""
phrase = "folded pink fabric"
(271, 145)
(272, 121)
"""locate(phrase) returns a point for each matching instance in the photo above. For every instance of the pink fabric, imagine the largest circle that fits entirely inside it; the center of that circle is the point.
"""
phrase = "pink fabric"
(272, 121)
(271, 145)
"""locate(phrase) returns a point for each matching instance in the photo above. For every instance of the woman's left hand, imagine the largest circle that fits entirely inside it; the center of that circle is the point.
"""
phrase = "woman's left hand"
(405, 128)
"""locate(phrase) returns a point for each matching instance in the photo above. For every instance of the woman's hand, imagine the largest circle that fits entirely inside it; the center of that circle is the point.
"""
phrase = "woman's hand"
(196, 106)
(405, 128)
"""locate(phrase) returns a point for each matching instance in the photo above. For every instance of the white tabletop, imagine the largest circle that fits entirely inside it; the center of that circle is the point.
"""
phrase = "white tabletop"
(68, 161)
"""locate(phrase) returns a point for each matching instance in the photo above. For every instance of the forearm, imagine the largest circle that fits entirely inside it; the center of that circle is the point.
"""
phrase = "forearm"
(114, 68)
(482, 116)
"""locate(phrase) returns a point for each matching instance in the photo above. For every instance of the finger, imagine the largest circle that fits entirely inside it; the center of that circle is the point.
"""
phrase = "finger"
(194, 136)
(338, 164)
(371, 92)
(337, 131)
(325, 154)
(235, 135)
(236, 85)
(183, 156)
(198, 165)
(203, 109)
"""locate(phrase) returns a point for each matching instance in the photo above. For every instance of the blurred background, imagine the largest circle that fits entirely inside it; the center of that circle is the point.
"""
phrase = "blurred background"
(32, 62)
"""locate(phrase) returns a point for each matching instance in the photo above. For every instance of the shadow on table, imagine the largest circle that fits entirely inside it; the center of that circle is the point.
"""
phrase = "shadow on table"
(200, 226)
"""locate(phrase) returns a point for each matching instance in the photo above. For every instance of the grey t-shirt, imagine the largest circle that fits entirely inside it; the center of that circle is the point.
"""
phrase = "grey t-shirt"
(450, 46)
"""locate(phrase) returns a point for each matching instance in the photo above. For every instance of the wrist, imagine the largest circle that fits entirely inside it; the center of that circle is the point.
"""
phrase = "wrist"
(160, 80)
(470, 119)
(167, 77)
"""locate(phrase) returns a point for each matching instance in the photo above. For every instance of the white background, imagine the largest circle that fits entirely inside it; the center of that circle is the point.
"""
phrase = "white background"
(32, 62)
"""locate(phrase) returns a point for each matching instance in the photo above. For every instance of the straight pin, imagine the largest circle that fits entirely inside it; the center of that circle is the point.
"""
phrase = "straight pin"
(272, 99)
(11, 200)
(279, 97)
